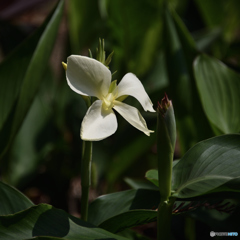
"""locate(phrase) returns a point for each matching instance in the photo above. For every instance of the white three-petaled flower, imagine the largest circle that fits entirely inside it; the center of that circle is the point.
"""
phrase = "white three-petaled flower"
(89, 77)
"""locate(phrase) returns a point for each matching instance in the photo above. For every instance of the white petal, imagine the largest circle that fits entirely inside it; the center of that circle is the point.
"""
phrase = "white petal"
(131, 85)
(132, 115)
(88, 76)
(98, 123)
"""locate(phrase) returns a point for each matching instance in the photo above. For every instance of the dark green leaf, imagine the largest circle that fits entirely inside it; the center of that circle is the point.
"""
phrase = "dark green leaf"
(118, 211)
(12, 72)
(44, 220)
(23, 159)
(208, 165)
(11, 200)
(108, 206)
(129, 219)
(152, 175)
(30, 77)
(219, 88)
(140, 183)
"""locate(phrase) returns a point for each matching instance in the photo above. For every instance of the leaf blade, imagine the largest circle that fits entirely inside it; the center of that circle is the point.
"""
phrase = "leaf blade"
(218, 88)
(12, 200)
(44, 220)
(207, 166)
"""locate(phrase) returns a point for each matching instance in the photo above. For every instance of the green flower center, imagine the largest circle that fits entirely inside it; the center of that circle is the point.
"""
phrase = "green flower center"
(108, 101)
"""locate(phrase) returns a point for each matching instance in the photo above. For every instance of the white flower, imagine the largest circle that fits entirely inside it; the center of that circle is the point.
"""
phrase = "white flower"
(89, 77)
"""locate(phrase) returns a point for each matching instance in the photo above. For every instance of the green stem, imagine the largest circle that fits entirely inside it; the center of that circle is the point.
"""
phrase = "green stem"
(166, 130)
(165, 156)
(85, 177)
(164, 219)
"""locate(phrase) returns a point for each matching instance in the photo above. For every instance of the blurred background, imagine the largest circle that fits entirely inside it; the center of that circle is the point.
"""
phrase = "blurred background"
(157, 41)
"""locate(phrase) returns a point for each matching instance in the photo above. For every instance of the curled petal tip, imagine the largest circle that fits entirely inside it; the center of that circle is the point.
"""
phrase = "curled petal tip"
(148, 133)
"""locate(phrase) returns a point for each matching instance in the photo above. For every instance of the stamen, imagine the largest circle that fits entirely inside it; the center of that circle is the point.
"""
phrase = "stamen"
(108, 101)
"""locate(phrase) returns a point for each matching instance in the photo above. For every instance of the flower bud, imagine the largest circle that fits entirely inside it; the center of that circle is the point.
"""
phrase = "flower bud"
(166, 139)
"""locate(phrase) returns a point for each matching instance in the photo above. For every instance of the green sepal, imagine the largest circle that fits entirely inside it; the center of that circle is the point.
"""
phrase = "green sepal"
(90, 53)
(122, 98)
(109, 59)
(112, 86)
(100, 51)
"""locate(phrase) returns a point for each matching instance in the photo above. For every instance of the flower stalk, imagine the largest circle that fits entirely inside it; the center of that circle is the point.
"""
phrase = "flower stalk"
(166, 131)
(85, 177)
(86, 166)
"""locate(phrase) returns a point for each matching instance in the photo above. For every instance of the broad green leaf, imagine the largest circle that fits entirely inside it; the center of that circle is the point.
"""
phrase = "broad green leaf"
(11, 200)
(118, 211)
(45, 220)
(208, 165)
(227, 191)
(152, 175)
(30, 77)
(23, 159)
(219, 88)
(129, 219)
(108, 206)
(140, 183)
(12, 71)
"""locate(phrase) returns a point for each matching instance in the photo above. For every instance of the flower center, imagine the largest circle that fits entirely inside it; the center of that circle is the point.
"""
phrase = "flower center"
(108, 101)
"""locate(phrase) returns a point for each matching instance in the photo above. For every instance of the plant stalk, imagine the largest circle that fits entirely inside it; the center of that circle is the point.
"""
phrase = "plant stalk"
(164, 219)
(166, 138)
(85, 177)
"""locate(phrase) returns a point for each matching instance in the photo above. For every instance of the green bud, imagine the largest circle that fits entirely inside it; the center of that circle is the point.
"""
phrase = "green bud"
(166, 139)
(165, 109)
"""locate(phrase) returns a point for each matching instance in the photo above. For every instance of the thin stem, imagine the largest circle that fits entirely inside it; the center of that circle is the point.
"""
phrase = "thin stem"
(85, 177)
(164, 219)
